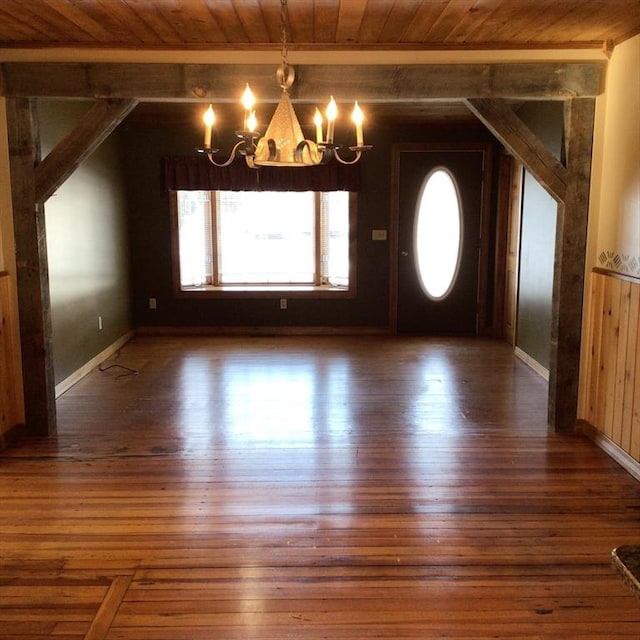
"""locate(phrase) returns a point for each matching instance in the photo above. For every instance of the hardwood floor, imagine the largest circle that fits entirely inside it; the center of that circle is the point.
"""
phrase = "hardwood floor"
(341, 488)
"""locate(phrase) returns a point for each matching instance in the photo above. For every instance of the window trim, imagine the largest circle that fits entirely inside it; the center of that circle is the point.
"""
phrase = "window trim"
(263, 291)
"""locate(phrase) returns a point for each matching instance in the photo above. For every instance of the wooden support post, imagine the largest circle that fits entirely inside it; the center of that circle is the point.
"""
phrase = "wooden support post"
(32, 270)
(570, 186)
(568, 282)
(32, 183)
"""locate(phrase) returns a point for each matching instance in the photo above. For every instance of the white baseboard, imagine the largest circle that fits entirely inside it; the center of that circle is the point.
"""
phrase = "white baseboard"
(76, 376)
(534, 364)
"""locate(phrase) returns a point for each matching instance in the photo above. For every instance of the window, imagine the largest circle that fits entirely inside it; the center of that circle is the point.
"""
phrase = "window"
(438, 234)
(242, 241)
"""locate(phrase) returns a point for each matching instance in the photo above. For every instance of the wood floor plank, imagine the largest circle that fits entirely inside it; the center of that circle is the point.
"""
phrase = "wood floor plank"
(343, 488)
(108, 609)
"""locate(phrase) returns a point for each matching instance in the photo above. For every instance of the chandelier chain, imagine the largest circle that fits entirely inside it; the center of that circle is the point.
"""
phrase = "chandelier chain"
(284, 25)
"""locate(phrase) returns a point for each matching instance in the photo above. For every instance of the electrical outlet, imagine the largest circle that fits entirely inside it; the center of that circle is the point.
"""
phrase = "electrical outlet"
(152, 303)
(283, 303)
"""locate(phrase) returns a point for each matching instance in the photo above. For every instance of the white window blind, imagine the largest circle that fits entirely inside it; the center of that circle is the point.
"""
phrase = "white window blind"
(195, 239)
(334, 216)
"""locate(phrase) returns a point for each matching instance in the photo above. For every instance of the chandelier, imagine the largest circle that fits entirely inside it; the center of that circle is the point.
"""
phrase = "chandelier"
(283, 144)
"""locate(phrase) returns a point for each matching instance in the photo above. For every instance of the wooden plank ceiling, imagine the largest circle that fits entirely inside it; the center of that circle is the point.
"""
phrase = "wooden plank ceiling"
(350, 25)
(320, 24)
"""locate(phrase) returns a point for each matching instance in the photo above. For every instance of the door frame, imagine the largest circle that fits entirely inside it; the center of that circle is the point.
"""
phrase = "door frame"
(509, 213)
(486, 149)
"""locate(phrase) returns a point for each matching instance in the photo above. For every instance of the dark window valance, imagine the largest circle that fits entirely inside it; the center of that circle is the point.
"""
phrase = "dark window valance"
(195, 173)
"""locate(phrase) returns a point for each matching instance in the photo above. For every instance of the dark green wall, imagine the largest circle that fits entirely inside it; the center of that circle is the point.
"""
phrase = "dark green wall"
(150, 236)
(537, 245)
(87, 245)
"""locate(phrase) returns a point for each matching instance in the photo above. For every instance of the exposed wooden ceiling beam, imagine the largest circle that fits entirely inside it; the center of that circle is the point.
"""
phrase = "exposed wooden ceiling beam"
(96, 125)
(501, 120)
(367, 83)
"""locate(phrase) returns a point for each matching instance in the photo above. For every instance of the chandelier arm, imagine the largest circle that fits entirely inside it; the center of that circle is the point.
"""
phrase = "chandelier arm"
(273, 150)
(316, 154)
(232, 155)
(251, 163)
(342, 161)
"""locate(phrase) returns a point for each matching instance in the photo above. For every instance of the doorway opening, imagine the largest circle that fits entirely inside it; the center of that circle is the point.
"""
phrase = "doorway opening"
(441, 253)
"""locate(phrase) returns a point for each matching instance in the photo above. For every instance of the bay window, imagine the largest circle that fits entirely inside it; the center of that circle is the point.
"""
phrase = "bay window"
(263, 241)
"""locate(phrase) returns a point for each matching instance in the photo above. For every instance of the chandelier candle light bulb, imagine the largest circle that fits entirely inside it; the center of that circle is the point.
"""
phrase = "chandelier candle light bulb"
(317, 120)
(358, 117)
(332, 114)
(252, 122)
(209, 120)
(248, 101)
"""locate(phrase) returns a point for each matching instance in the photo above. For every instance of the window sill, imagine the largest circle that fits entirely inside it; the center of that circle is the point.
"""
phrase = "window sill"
(266, 291)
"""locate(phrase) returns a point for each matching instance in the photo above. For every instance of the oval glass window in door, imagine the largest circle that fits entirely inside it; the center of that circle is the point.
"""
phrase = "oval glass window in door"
(438, 233)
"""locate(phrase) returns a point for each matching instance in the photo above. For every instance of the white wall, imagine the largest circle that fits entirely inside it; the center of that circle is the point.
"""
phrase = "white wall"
(616, 209)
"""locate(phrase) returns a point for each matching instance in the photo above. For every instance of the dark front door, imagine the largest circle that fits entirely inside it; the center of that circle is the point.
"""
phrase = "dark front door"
(456, 312)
